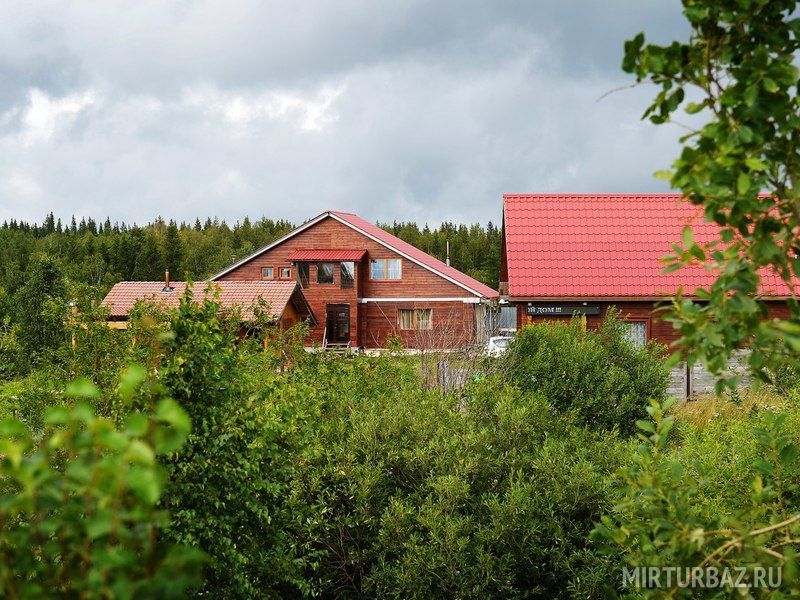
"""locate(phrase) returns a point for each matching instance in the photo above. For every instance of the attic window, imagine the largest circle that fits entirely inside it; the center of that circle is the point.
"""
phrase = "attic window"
(383, 269)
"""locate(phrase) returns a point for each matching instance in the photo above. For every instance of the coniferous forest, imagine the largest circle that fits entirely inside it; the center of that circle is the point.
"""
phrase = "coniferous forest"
(102, 253)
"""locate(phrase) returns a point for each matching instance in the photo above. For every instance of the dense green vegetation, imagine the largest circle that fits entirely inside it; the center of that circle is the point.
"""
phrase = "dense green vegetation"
(306, 474)
(601, 377)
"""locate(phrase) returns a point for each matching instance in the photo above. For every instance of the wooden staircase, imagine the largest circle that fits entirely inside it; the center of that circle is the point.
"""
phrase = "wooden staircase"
(343, 348)
(334, 347)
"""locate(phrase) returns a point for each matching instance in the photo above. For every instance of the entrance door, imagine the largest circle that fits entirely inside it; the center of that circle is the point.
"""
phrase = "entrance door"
(338, 323)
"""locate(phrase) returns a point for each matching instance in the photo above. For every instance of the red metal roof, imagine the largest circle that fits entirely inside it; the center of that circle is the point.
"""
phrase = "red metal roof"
(244, 294)
(603, 246)
(329, 254)
(415, 254)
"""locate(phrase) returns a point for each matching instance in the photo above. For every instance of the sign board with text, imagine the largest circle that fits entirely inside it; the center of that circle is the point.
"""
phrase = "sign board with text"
(560, 310)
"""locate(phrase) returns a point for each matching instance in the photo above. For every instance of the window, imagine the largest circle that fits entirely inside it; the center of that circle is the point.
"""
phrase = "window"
(508, 318)
(635, 332)
(286, 273)
(416, 318)
(266, 272)
(347, 275)
(302, 274)
(385, 268)
(423, 318)
(325, 272)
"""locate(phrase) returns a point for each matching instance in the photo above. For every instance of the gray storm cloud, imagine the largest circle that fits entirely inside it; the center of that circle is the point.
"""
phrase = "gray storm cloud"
(407, 110)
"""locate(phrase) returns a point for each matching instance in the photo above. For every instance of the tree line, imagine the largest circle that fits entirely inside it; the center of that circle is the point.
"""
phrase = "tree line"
(103, 253)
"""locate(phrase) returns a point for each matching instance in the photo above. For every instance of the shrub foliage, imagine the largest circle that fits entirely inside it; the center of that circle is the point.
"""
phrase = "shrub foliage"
(78, 509)
(599, 375)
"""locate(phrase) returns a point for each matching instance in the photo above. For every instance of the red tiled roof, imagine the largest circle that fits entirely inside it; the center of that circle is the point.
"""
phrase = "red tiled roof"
(416, 255)
(331, 254)
(243, 294)
(604, 245)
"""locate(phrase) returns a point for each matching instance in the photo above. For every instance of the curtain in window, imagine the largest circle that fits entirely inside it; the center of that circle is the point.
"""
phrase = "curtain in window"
(325, 273)
(348, 272)
(424, 318)
(393, 268)
(302, 274)
(376, 269)
(406, 319)
(508, 317)
(635, 332)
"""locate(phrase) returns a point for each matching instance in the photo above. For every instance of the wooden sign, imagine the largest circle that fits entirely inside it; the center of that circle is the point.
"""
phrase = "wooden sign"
(560, 310)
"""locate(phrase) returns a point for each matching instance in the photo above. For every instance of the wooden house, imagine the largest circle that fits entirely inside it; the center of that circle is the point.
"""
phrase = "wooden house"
(579, 254)
(367, 286)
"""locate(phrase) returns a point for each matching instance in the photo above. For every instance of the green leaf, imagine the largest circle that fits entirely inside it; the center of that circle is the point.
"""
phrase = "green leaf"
(646, 426)
(695, 107)
(171, 412)
(100, 524)
(770, 85)
(136, 424)
(57, 415)
(144, 483)
(743, 183)
(687, 237)
(141, 453)
(131, 379)
(788, 454)
(82, 388)
(755, 164)
(750, 95)
(764, 467)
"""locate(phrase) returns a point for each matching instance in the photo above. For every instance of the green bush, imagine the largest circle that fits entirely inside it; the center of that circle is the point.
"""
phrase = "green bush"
(78, 511)
(725, 497)
(229, 485)
(40, 307)
(414, 496)
(599, 375)
(12, 361)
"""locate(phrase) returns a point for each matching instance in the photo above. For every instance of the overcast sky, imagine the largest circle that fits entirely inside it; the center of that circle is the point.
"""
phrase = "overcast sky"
(405, 110)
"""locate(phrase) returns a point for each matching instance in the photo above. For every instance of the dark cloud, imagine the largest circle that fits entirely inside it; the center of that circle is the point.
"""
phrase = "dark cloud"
(403, 110)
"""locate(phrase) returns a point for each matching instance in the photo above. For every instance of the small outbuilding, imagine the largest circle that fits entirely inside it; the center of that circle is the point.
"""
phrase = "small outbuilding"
(285, 299)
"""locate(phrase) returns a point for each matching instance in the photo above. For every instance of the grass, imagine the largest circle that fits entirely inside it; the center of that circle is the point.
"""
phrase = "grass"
(703, 409)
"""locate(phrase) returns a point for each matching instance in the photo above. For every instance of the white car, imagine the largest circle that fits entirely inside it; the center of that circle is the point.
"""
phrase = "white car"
(497, 345)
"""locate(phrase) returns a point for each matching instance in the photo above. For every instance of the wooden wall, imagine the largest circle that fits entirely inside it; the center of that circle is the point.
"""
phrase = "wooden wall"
(453, 325)
(657, 329)
(369, 326)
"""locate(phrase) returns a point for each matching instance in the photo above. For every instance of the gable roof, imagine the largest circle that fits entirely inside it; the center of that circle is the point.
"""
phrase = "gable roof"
(387, 240)
(604, 246)
(243, 294)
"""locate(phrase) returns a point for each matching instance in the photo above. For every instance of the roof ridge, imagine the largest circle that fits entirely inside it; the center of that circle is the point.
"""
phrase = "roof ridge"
(620, 195)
